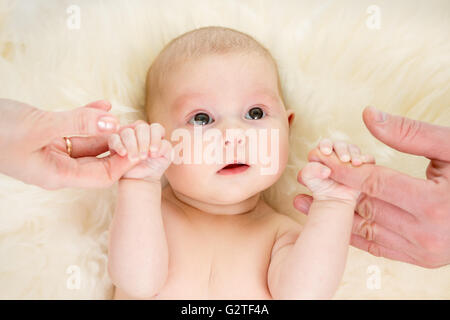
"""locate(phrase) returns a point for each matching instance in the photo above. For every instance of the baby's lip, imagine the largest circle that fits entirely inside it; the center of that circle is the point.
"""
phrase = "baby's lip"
(234, 167)
(234, 164)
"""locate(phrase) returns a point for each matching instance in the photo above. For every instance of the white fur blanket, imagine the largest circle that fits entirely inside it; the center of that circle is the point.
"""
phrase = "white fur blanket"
(335, 58)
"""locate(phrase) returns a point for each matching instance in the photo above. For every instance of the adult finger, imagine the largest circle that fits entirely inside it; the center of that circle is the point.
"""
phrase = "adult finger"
(380, 251)
(100, 105)
(407, 135)
(387, 215)
(374, 232)
(379, 182)
(373, 211)
(78, 122)
(89, 146)
(91, 172)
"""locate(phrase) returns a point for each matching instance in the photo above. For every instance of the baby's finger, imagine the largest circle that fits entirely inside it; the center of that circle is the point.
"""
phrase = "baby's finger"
(115, 144)
(129, 140)
(342, 152)
(368, 158)
(326, 146)
(143, 139)
(355, 154)
(156, 134)
(166, 150)
(315, 170)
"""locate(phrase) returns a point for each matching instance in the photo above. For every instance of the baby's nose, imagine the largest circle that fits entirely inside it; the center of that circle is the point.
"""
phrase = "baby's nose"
(233, 140)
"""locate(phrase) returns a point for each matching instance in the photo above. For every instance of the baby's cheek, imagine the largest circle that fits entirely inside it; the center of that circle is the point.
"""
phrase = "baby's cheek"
(277, 149)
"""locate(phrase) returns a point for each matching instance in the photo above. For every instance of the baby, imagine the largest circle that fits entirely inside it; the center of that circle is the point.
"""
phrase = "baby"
(208, 234)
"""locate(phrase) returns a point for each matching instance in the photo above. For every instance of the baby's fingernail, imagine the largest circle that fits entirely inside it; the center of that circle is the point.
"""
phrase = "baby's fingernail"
(326, 150)
(143, 155)
(153, 149)
(107, 124)
(122, 152)
(345, 158)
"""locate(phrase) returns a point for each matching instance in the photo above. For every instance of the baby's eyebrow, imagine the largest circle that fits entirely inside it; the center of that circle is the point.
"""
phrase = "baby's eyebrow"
(184, 98)
(259, 96)
(267, 95)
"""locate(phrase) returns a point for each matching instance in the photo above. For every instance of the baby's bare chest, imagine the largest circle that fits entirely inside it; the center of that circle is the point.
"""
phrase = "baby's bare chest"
(228, 261)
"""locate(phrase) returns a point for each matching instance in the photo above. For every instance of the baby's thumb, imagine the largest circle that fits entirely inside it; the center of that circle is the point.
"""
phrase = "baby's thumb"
(313, 174)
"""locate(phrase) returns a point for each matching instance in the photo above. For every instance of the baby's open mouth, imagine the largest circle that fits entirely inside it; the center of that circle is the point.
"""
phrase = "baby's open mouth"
(233, 168)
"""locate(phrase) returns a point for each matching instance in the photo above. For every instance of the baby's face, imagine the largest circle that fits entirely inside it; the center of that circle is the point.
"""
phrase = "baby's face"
(217, 93)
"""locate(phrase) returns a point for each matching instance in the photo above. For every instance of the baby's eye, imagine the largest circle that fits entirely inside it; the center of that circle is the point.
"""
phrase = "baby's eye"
(201, 119)
(255, 114)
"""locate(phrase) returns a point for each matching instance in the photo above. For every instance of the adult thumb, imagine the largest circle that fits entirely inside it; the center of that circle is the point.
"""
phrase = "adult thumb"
(90, 120)
(407, 135)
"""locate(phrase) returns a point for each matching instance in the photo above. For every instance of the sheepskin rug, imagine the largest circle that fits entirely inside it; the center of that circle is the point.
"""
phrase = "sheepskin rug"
(335, 58)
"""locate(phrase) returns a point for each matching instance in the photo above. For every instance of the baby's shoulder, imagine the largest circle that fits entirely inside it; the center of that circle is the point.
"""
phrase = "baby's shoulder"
(282, 222)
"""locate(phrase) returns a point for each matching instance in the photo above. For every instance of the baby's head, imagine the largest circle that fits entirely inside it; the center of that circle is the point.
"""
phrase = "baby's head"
(219, 79)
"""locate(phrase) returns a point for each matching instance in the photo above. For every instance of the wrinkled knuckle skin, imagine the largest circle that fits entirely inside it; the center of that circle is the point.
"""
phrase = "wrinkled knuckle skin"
(373, 184)
(408, 129)
(366, 230)
(82, 122)
(366, 209)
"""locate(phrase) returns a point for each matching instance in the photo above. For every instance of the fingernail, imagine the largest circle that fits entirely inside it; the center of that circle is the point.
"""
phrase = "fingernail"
(107, 123)
(143, 155)
(327, 150)
(153, 149)
(380, 116)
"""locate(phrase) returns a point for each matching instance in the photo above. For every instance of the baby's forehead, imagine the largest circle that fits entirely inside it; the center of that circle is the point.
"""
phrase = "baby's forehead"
(258, 94)
(179, 86)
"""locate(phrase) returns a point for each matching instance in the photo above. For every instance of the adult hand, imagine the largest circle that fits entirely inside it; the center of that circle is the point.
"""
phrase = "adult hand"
(33, 148)
(399, 217)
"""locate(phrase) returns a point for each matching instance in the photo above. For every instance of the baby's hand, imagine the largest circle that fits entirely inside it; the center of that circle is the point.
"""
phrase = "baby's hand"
(145, 145)
(345, 152)
(316, 175)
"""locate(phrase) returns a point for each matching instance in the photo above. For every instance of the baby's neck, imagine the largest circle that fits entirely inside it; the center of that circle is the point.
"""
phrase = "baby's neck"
(198, 208)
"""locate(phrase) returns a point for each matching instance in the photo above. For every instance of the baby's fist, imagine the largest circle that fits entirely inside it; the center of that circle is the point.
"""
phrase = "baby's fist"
(315, 176)
(145, 145)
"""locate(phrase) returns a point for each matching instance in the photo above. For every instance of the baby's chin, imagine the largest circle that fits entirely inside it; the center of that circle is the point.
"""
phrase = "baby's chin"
(230, 194)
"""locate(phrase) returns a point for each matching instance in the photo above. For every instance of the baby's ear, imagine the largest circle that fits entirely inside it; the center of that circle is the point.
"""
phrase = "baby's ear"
(291, 116)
